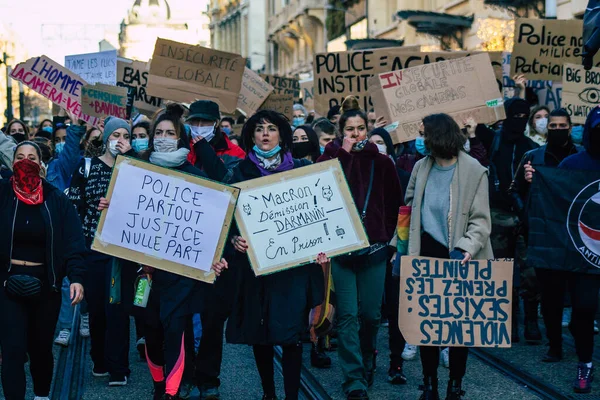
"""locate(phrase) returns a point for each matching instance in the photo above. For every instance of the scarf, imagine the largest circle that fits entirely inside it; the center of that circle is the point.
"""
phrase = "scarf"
(27, 183)
(171, 159)
(358, 146)
(273, 165)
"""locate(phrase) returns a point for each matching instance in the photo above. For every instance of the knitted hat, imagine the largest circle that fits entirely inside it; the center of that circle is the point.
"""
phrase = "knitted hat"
(111, 124)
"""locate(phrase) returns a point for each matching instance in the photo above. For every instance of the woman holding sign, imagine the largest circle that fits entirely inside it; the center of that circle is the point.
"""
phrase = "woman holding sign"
(271, 309)
(44, 245)
(448, 192)
(359, 279)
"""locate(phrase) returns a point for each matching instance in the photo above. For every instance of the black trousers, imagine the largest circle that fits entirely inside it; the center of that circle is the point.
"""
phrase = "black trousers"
(583, 289)
(291, 363)
(210, 352)
(27, 328)
(109, 323)
(430, 355)
(392, 305)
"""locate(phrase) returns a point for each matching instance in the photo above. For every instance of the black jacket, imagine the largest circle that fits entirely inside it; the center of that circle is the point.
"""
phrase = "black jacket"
(64, 256)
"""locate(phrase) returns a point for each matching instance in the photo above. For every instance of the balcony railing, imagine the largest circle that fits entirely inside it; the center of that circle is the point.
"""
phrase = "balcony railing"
(291, 11)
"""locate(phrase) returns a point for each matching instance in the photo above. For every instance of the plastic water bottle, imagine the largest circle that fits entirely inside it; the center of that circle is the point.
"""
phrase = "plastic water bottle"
(142, 291)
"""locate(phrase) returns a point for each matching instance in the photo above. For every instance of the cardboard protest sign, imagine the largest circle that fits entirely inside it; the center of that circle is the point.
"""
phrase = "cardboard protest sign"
(581, 91)
(283, 85)
(185, 73)
(165, 219)
(103, 100)
(337, 75)
(50, 79)
(463, 87)
(307, 89)
(444, 303)
(133, 75)
(254, 92)
(283, 103)
(542, 46)
(290, 217)
(94, 67)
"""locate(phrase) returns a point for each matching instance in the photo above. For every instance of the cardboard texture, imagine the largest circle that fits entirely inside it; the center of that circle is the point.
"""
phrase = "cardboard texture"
(283, 103)
(185, 73)
(283, 85)
(165, 219)
(103, 100)
(443, 303)
(581, 91)
(463, 87)
(253, 93)
(338, 75)
(133, 75)
(307, 89)
(53, 81)
(542, 46)
(98, 67)
(289, 217)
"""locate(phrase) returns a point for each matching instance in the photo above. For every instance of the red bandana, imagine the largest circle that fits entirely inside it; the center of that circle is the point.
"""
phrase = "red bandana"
(27, 182)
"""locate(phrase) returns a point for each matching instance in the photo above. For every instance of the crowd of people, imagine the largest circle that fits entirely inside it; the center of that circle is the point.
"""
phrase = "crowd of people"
(467, 185)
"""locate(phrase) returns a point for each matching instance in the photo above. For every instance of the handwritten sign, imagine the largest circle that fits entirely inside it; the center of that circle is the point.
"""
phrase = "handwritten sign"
(290, 217)
(341, 74)
(165, 219)
(307, 89)
(94, 67)
(463, 87)
(542, 46)
(133, 75)
(254, 92)
(283, 85)
(283, 103)
(444, 303)
(182, 72)
(103, 100)
(50, 79)
(581, 91)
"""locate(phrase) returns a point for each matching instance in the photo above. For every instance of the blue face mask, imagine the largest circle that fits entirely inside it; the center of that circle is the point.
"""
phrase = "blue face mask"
(298, 121)
(226, 131)
(59, 147)
(420, 146)
(266, 154)
(139, 145)
(577, 134)
(47, 129)
(322, 149)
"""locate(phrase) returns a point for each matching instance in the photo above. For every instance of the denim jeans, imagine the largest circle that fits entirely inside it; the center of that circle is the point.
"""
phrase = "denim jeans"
(65, 318)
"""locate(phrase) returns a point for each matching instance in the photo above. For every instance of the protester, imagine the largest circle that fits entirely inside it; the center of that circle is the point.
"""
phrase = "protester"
(91, 135)
(333, 115)
(376, 190)
(108, 321)
(44, 245)
(235, 139)
(226, 126)
(382, 139)
(66, 141)
(442, 184)
(537, 126)
(299, 116)
(374, 121)
(326, 131)
(305, 143)
(272, 309)
(140, 137)
(18, 130)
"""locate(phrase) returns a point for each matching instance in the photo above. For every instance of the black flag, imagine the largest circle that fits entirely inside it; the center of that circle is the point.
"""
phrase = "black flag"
(564, 220)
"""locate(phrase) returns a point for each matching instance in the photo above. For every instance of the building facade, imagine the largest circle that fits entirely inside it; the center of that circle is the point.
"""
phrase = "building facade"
(240, 27)
(185, 21)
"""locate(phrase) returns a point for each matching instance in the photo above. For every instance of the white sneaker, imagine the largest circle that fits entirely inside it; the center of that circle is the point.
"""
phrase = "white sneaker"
(566, 320)
(63, 338)
(445, 356)
(41, 398)
(84, 325)
(410, 352)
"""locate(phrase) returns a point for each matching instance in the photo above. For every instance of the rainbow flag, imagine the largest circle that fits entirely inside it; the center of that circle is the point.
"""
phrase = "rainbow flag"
(402, 231)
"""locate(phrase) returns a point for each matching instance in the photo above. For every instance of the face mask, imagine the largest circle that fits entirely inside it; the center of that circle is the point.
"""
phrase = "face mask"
(322, 149)
(59, 147)
(19, 137)
(382, 148)
(558, 137)
(95, 148)
(420, 146)
(140, 145)
(207, 132)
(112, 147)
(26, 175)
(541, 126)
(297, 121)
(47, 129)
(165, 145)
(577, 134)
(358, 146)
(266, 154)
(467, 146)
(226, 131)
(301, 149)
(514, 127)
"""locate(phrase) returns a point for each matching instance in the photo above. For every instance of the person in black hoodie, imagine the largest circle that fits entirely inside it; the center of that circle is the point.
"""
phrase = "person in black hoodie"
(505, 150)
(41, 242)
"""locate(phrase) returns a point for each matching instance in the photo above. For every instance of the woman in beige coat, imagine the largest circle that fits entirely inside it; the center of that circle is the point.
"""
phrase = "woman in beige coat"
(448, 193)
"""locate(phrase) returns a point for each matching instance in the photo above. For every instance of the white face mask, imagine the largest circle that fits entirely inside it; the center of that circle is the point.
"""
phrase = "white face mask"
(207, 132)
(165, 145)
(541, 126)
(112, 147)
(382, 148)
(467, 146)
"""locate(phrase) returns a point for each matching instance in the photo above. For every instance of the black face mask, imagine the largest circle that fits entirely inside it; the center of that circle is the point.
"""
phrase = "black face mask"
(514, 128)
(95, 148)
(19, 137)
(301, 149)
(558, 137)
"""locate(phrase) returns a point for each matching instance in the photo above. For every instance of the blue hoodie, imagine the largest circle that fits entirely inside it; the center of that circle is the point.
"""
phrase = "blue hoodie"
(588, 160)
